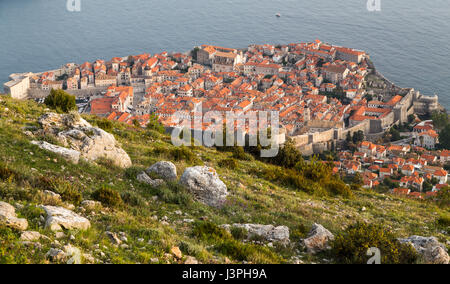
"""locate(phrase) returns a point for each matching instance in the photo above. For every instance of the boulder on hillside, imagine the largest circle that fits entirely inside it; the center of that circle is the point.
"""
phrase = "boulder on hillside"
(143, 177)
(268, 233)
(68, 154)
(8, 217)
(59, 218)
(318, 239)
(165, 170)
(432, 251)
(205, 185)
(75, 133)
(30, 236)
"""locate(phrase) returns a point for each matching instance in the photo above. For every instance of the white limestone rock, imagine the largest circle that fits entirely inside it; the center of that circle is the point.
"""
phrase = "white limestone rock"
(318, 239)
(68, 154)
(59, 218)
(269, 233)
(8, 217)
(164, 169)
(432, 251)
(204, 183)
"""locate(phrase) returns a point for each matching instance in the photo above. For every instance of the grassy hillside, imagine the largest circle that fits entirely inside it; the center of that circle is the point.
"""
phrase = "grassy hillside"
(155, 220)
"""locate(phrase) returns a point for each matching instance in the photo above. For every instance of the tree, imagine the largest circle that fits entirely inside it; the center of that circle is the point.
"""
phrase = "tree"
(60, 101)
(358, 136)
(154, 124)
(440, 119)
(288, 156)
(136, 123)
(443, 197)
(444, 137)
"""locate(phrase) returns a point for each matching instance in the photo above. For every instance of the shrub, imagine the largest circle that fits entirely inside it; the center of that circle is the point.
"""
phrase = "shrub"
(67, 191)
(208, 231)
(444, 221)
(183, 153)
(174, 193)
(108, 196)
(288, 156)
(6, 173)
(60, 101)
(155, 125)
(9, 246)
(227, 245)
(239, 154)
(338, 187)
(105, 125)
(247, 252)
(350, 247)
(443, 197)
(239, 233)
(230, 164)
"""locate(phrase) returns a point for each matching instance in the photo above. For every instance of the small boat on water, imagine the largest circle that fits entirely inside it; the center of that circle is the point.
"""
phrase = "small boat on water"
(278, 15)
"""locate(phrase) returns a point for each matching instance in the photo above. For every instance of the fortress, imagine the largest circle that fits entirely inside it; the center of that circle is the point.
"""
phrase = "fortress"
(317, 136)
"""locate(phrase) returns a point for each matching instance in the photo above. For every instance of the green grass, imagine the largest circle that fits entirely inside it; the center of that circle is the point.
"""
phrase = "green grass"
(26, 171)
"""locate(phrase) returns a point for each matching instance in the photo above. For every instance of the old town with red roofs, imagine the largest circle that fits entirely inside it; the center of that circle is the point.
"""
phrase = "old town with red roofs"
(325, 95)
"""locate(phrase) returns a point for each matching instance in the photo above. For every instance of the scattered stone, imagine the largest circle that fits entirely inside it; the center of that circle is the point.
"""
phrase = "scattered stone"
(165, 170)
(30, 236)
(432, 251)
(144, 178)
(176, 252)
(59, 218)
(114, 238)
(8, 217)
(269, 233)
(205, 185)
(123, 237)
(52, 195)
(73, 254)
(191, 260)
(55, 255)
(68, 154)
(88, 258)
(318, 239)
(59, 235)
(90, 204)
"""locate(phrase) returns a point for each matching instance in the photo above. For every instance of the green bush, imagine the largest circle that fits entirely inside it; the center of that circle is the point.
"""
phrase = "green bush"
(350, 247)
(6, 173)
(239, 233)
(183, 153)
(230, 164)
(155, 125)
(225, 244)
(239, 154)
(444, 221)
(288, 155)
(338, 187)
(67, 191)
(107, 196)
(105, 125)
(208, 231)
(10, 248)
(174, 193)
(443, 197)
(60, 101)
